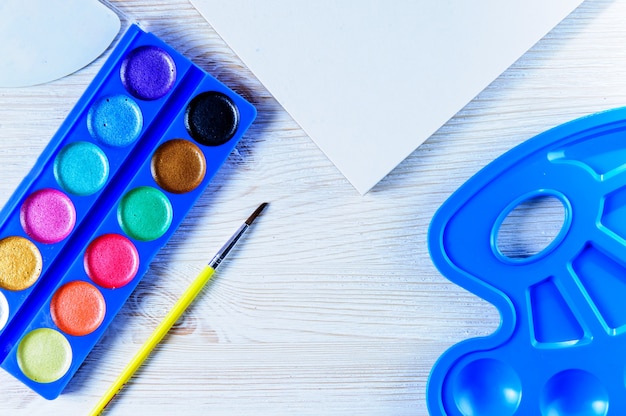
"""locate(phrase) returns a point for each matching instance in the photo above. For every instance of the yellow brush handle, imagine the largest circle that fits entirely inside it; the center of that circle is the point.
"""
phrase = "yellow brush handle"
(179, 308)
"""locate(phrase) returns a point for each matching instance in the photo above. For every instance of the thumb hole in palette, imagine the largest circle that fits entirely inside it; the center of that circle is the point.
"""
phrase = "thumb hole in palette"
(530, 228)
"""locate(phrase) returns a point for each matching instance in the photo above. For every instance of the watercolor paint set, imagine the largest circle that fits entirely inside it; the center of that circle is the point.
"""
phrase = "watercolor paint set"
(111, 187)
(560, 345)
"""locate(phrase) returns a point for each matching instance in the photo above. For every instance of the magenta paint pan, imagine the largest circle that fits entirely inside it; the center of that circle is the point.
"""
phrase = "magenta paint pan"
(112, 186)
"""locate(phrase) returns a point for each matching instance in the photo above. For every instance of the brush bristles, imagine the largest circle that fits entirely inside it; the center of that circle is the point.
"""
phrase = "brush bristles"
(256, 213)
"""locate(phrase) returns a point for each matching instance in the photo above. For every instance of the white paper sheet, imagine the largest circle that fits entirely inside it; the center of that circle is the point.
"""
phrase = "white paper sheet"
(369, 81)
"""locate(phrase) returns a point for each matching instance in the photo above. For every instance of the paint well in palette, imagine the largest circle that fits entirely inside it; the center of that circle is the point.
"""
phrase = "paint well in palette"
(145, 213)
(4, 311)
(178, 166)
(44, 355)
(148, 72)
(21, 263)
(211, 118)
(78, 308)
(48, 216)
(81, 168)
(115, 120)
(111, 261)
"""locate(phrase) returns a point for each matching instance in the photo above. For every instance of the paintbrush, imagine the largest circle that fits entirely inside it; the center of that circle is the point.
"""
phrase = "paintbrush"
(179, 308)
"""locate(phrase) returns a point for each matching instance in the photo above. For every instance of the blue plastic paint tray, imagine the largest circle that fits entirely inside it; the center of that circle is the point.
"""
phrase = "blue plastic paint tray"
(112, 186)
(561, 343)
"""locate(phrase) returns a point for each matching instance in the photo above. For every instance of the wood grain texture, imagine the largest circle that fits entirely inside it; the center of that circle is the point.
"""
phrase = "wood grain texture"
(331, 305)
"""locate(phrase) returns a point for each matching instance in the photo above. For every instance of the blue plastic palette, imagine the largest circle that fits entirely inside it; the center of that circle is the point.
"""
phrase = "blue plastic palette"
(560, 346)
(106, 194)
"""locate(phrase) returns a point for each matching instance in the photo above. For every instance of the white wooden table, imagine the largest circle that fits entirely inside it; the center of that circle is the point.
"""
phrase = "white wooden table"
(331, 305)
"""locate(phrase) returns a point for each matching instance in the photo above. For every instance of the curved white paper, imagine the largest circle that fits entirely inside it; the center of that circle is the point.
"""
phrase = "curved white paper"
(369, 81)
(43, 40)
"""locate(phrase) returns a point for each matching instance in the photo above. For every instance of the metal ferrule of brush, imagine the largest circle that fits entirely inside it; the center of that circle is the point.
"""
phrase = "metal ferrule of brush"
(223, 252)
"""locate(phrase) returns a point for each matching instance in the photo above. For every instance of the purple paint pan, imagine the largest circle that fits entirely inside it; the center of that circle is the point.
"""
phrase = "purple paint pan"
(148, 72)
